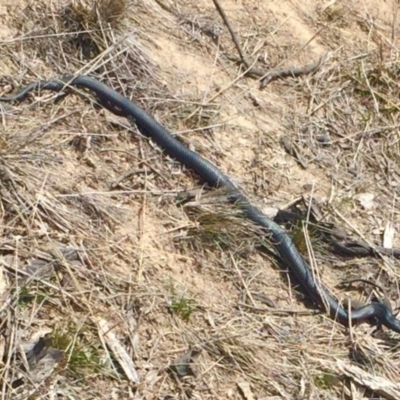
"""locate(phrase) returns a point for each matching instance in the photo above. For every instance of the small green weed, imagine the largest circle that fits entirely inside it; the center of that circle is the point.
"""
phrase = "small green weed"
(325, 381)
(82, 357)
(182, 306)
(26, 296)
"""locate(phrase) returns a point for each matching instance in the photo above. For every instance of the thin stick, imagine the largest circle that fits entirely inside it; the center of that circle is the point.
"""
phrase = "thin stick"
(250, 69)
(266, 77)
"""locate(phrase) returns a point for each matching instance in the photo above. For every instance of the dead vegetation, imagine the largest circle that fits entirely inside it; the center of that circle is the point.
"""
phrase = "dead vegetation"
(112, 287)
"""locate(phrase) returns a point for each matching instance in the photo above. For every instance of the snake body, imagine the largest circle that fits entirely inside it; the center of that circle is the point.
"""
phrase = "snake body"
(284, 245)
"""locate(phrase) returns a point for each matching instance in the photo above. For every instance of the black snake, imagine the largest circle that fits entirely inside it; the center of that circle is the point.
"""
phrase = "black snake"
(290, 256)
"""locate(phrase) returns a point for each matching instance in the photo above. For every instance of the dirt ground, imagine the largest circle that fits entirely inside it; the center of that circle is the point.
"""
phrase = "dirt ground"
(111, 287)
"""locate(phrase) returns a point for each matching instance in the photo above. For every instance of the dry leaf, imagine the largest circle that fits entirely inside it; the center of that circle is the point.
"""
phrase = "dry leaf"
(366, 200)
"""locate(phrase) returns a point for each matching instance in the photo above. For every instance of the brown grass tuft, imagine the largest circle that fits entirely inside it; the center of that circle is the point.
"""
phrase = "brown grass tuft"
(98, 21)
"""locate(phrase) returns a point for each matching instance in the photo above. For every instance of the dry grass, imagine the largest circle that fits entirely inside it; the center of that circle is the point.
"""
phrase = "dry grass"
(120, 279)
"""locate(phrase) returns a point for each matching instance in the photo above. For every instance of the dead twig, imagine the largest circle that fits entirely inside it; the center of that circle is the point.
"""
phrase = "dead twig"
(247, 64)
(266, 77)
